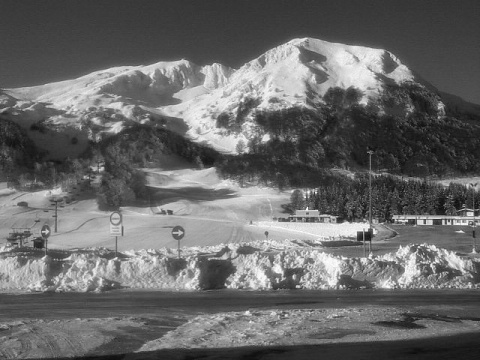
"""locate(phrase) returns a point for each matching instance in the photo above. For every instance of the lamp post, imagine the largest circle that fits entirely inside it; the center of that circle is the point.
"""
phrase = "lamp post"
(474, 246)
(370, 152)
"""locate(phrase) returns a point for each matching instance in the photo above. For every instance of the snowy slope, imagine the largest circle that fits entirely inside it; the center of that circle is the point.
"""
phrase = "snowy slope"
(293, 74)
(184, 95)
(152, 85)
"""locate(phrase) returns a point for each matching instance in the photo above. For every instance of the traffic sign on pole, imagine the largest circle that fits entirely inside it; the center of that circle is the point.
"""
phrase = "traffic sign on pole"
(115, 218)
(45, 231)
(116, 227)
(178, 232)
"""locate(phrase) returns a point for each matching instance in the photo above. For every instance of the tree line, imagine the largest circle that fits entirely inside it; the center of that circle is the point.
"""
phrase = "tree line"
(349, 198)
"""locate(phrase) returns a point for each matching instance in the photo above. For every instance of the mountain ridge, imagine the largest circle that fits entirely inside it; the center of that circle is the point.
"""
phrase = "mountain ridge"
(190, 99)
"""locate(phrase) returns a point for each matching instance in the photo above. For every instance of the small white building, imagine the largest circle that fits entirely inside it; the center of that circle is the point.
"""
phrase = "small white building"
(311, 216)
(464, 216)
(435, 219)
(467, 212)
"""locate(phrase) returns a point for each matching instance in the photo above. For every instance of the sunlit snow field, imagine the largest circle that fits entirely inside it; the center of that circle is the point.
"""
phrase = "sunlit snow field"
(230, 242)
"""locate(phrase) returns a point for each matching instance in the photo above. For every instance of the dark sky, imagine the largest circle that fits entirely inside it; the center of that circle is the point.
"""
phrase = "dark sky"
(43, 41)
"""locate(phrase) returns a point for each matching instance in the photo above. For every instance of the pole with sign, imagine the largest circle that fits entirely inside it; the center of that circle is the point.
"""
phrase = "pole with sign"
(365, 236)
(45, 232)
(116, 227)
(370, 231)
(178, 233)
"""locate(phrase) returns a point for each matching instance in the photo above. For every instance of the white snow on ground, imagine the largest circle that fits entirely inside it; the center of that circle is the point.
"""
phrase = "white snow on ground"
(299, 327)
(221, 248)
(292, 257)
(49, 339)
(329, 231)
(257, 266)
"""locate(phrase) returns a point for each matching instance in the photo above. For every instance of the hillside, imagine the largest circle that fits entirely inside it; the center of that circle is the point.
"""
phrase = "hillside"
(211, 210)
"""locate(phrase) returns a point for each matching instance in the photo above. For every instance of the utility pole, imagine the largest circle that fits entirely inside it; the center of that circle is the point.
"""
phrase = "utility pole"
(55, 202)
(474, 245)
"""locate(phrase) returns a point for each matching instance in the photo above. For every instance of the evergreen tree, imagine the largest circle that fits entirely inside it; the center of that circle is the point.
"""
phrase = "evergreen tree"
(297, 200)
(450, 206)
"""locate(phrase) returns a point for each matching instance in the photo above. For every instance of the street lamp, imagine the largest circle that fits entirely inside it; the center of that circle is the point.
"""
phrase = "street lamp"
(474, 246)
(370, 152)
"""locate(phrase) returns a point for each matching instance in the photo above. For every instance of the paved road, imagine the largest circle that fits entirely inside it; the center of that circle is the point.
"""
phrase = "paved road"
(116, 303)
(177, 307)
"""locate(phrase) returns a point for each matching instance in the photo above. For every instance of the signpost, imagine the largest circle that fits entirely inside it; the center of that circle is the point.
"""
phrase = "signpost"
(365, 236)
(474, 247)
(178, 233)
(45, 232)
(116, 227)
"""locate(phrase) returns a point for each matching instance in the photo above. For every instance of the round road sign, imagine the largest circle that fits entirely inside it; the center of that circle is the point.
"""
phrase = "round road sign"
(45, 231)
(116, 218)
(178, 232)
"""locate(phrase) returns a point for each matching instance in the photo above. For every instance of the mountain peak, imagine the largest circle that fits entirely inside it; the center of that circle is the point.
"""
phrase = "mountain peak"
(297, 73)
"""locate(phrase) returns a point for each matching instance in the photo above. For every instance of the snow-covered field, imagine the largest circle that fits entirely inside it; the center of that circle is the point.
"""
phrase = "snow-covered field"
(225, 246)
(230, 242)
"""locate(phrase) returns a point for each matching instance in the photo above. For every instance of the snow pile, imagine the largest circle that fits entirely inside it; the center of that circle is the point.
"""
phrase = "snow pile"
(430, 267)
(19, 271)
(236, 266)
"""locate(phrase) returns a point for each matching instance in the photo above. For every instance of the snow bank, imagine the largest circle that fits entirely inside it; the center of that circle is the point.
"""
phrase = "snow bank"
(256, 266)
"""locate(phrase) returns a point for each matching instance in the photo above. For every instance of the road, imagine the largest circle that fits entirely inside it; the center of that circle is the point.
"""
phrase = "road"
(167, 310)
(122, 302)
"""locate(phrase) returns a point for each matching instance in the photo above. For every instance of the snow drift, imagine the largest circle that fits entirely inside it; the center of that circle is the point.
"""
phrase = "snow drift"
(235, 266)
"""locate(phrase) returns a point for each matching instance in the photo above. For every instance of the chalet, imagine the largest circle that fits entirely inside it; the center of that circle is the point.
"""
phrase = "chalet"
(311, 216)
(464, 211)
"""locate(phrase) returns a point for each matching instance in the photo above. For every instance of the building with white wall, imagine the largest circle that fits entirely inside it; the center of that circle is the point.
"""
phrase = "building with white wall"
(464, 217)
(311, 216)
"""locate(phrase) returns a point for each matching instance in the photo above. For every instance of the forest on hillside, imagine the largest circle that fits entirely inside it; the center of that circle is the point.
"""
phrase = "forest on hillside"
(413, 135)
(17, 151)
(303, 145)
(126, 153)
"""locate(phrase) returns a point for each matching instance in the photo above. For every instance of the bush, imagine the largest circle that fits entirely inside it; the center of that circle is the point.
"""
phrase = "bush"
(39, 126)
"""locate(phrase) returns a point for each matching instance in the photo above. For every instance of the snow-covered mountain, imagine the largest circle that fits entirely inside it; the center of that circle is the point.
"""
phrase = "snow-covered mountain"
(188, 98)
